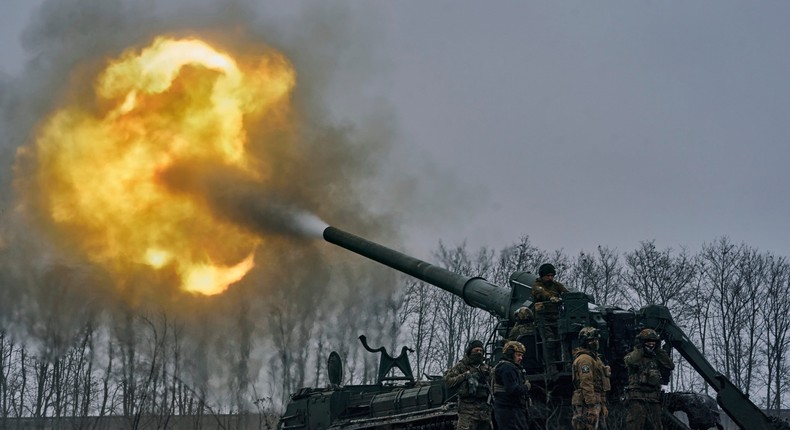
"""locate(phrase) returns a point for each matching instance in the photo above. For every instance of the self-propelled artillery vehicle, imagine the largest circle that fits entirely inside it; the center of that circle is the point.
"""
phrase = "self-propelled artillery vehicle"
(403, 402)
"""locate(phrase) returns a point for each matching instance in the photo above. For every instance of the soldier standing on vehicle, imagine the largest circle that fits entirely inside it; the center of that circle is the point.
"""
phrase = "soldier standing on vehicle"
(546, 293)
(545, 288)
(648, 368)
(511, 389)
(591, 382)
(525, 324)
(472, 377)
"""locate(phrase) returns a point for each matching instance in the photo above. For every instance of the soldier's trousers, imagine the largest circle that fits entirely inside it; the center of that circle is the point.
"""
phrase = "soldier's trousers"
(470, 422)
(548, 328)
(643, 414)
(510, 418)
(586, 417)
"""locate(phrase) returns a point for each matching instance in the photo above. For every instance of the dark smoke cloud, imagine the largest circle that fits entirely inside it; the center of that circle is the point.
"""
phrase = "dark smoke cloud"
(328, 172)
(232, 195)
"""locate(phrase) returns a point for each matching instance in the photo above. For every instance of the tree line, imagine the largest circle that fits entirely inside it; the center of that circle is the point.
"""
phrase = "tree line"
(732, 300)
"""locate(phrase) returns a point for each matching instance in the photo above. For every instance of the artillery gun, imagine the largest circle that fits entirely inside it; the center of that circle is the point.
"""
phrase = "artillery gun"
(429, 404)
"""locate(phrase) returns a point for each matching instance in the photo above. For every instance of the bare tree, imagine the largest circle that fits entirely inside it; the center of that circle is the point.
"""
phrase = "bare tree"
(735, 276)
(11, 386)
(6, 354)
(320, 339)
(84, 386)
(521, 256)
(750, 287)
(127, 341)
(657, 277)
(280, 364)
(458, 322)
(599, 275)
(776, 315)
(240, 375)
(700, 324)
(108, 404)
(418, 318)
(718, 265)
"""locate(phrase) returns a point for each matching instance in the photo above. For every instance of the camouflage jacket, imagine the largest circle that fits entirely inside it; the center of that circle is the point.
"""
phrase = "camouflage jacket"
(472, 381)
(644, 373)
(521, 329)
(544, 293)
(590, 378)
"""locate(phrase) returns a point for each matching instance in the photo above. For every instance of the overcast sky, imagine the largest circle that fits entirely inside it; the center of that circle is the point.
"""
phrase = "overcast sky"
(578, 123)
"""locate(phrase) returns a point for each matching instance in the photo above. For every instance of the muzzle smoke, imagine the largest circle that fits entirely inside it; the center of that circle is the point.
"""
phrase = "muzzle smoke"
(231, 195)
(303, 171)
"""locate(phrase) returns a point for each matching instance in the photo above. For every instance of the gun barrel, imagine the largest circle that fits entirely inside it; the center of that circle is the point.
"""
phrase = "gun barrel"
(475, 291)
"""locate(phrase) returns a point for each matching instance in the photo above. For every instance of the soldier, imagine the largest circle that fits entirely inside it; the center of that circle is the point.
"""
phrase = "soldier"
(511, 389)
(545, 288)
(546, 294)
(472, 377)
(648, 368)
(591, 382)
(525, 323)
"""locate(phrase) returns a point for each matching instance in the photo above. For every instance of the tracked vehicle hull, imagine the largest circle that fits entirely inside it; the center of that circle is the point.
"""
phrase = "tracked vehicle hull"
(425, 405)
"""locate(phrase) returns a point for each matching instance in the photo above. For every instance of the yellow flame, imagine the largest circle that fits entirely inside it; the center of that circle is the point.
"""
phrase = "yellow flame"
(206, 278)
(174, 101)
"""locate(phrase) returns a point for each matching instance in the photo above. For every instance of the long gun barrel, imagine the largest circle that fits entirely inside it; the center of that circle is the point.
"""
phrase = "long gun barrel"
(475, 291)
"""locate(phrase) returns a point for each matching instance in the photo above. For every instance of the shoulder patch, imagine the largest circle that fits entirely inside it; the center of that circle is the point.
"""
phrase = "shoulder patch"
(585, 368)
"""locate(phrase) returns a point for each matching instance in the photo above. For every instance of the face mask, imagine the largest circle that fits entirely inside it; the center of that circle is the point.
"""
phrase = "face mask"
(593, 345)
(476, 357)
(650, 350)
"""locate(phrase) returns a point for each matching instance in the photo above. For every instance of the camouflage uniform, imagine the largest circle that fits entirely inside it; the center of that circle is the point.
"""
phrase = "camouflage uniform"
(472, 381)
(525, 324)
(591, 382)
(525, 328)
(643, 394)
(544, 293)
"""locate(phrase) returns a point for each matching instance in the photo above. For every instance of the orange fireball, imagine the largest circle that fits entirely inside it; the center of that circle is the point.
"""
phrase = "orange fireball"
(172, 103)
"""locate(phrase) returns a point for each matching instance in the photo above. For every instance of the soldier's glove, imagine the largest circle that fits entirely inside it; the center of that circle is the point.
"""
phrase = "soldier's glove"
(555, 299)
(604, 411)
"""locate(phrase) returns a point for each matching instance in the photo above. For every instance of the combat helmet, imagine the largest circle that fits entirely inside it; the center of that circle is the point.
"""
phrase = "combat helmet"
(589, 333)
(648, 334)
(523, 314)
(512, 347)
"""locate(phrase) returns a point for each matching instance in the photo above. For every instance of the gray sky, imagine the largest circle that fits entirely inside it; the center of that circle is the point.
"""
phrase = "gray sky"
(578, 123)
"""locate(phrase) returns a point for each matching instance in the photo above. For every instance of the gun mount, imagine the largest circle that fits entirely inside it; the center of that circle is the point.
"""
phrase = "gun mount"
(547, 364)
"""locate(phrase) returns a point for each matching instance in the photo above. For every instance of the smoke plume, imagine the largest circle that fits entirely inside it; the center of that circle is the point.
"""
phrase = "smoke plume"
(323, 171)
